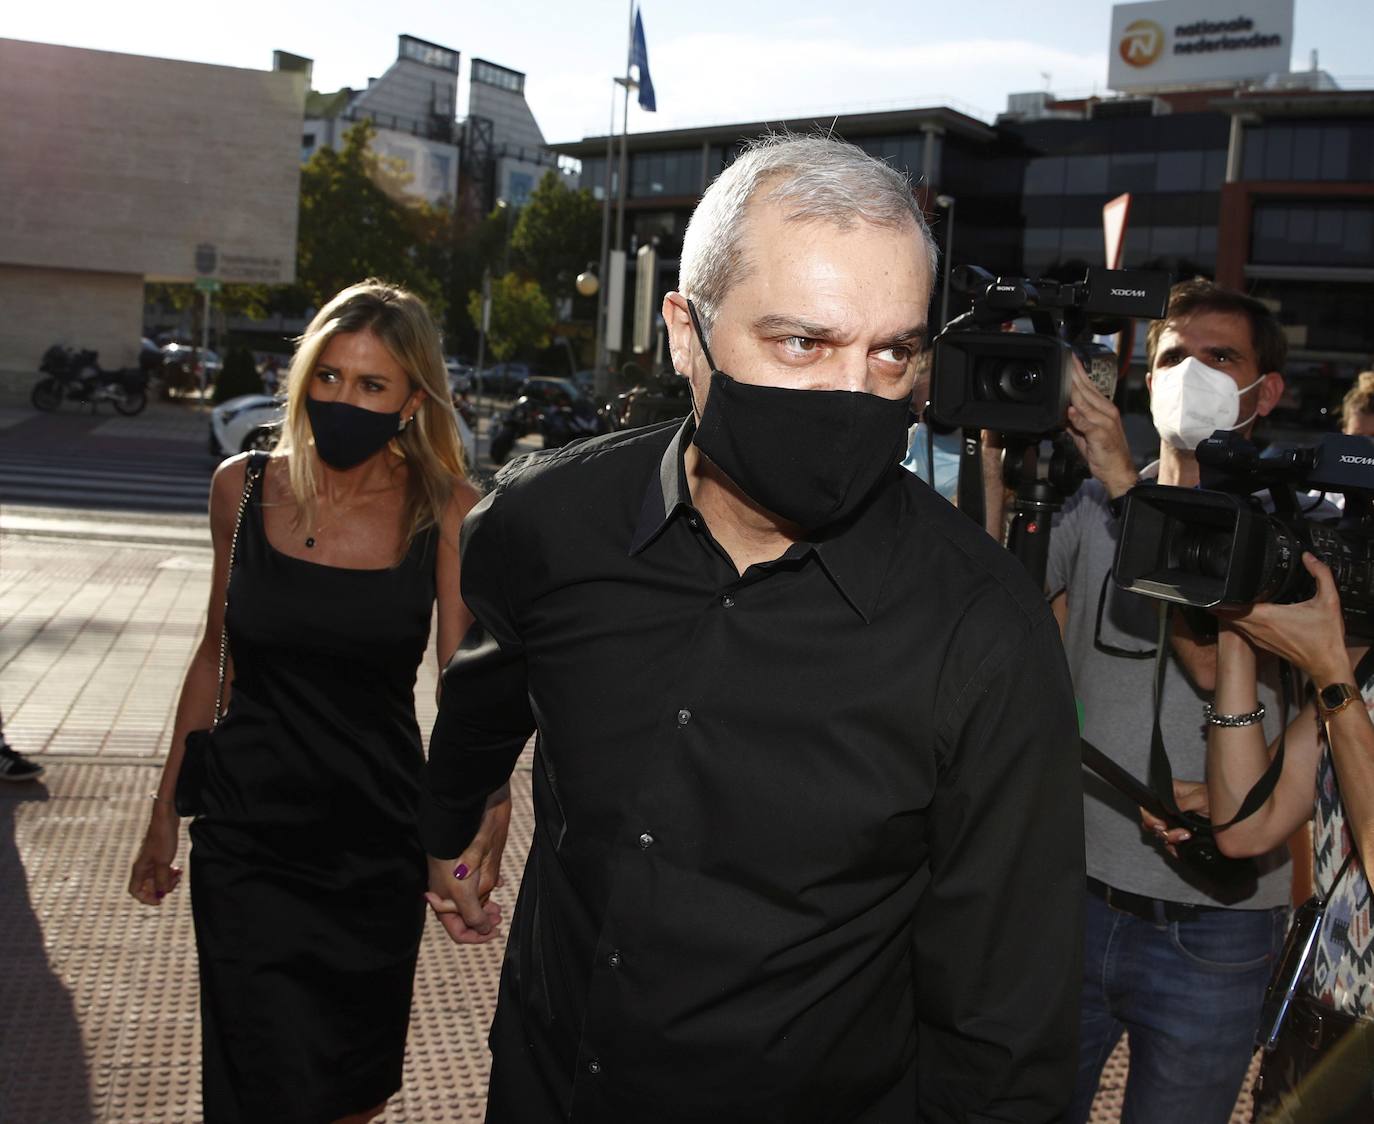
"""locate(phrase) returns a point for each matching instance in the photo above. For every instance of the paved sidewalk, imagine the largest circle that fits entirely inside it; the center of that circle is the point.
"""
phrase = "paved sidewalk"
(99, 994)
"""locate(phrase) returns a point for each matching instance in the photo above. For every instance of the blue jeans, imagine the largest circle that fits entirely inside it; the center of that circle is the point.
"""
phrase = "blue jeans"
(1187, 994)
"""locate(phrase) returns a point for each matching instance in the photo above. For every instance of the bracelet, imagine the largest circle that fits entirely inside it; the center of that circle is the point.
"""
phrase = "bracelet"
(1214, 719)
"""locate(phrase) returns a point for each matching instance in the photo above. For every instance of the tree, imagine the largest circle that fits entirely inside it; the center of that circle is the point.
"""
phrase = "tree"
(557, 234)
(355, 223)
(521, 316)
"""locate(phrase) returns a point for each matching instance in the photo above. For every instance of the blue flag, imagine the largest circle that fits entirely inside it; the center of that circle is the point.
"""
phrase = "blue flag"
(639, 56)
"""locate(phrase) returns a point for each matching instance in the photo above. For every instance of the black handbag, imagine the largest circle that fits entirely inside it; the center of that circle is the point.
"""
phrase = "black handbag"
(191, 776)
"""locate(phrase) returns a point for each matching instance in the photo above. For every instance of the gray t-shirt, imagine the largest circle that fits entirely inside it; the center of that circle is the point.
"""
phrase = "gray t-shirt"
(1116, 696)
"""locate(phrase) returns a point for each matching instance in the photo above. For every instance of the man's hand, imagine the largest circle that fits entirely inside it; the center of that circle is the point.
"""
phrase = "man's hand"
(1190, 796)
(460, 889)
(1095, 427)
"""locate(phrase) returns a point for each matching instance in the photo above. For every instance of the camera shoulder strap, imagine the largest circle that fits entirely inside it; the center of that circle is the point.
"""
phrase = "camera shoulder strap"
(1162, 775)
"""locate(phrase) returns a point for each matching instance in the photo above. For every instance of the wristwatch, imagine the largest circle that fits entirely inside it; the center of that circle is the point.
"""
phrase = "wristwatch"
(1335, 698)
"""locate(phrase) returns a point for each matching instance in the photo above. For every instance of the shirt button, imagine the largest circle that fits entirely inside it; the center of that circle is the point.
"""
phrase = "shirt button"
(614, 959)
(594, 1067)
(684, 716)
(693, 522)
(728, 601)
(646, 841)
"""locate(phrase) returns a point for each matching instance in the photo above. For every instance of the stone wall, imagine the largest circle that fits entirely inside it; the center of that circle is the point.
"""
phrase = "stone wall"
(77, 308)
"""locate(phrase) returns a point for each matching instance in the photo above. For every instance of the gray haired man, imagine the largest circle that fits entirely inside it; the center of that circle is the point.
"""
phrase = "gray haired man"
(807, 836)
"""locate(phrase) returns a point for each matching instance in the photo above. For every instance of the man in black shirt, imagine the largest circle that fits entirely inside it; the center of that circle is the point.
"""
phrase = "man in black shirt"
(807, 830)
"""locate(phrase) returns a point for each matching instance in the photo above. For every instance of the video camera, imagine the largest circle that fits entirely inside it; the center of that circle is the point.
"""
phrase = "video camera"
(1018, 383)
(1219, 546)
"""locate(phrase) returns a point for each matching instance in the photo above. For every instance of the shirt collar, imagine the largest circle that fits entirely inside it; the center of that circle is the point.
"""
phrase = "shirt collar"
(855, 555)
(667, 491)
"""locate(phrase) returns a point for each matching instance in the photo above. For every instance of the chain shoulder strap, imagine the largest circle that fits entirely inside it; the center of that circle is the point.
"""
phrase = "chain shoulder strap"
(250, 476)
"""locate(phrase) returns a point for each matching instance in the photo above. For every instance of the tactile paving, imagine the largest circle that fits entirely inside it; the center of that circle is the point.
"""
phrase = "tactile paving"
(99, 995)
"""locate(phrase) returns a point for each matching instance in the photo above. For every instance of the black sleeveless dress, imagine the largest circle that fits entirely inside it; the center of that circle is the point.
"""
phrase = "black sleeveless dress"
(307, 874)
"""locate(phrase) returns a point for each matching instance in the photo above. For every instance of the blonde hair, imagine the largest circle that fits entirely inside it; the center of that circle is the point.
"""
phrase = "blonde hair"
(429, 444)
(1359, 399)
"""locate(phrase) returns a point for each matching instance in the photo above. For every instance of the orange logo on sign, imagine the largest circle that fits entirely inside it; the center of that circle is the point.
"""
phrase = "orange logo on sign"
(1142, 42)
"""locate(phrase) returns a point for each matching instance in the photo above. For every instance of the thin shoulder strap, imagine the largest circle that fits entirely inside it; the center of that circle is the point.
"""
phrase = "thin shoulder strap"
(253, 470)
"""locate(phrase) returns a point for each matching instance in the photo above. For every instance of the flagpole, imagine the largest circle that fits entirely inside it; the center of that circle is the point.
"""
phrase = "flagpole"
(600, 375)
(613, 346)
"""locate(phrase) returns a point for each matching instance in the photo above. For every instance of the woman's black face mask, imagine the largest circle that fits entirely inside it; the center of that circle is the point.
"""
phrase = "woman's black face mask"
(347, 435)
(809, 456)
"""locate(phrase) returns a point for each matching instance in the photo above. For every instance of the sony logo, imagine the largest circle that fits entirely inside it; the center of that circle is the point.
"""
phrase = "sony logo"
(1350, 458)
(1128, 292)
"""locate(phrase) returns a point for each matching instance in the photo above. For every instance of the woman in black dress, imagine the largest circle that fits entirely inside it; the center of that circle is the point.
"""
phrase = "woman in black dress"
(307, 875)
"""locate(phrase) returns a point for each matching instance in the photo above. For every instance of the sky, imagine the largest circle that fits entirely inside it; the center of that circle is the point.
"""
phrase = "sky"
(712, 61)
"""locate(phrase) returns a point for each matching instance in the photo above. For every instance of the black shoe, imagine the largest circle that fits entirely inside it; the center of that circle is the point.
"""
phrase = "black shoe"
(15, 767)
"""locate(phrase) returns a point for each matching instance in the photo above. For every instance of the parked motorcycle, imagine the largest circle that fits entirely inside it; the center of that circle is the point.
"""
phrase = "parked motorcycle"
(75, 376)
(565, 419)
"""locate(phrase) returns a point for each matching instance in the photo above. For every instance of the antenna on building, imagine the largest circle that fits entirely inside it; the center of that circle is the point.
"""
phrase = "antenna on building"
(1312, 65)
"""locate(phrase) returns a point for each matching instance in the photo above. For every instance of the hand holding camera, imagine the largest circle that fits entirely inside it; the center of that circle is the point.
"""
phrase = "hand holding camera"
(1308, 634)
(1094, 424)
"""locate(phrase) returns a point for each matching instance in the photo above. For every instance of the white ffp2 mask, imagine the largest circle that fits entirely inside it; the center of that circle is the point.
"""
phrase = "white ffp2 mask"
(1190, 401)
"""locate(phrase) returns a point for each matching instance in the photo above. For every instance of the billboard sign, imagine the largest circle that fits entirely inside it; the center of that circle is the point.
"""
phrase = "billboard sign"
(1171, 43)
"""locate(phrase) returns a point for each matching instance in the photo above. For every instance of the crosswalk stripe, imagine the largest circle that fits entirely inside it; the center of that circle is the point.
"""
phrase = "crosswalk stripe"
(99, 482)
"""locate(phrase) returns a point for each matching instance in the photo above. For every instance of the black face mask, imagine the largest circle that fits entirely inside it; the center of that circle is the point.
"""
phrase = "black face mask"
(346, 435)
(810, 456)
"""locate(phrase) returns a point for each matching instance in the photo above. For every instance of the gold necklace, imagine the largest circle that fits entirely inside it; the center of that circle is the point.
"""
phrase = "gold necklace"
(339, 513)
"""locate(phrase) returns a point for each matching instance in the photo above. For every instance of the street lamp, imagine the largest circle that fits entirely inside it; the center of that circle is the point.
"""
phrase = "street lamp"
(507, 208)
(588, 283)
(946, 202)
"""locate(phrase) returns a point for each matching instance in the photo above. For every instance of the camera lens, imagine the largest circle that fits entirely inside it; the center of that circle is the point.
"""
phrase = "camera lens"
(1202, 550)
(1018, 381)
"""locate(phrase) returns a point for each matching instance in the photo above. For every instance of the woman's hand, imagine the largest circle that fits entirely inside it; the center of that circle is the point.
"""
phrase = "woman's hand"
(460, 889)
(1309, 634)
(153, 876)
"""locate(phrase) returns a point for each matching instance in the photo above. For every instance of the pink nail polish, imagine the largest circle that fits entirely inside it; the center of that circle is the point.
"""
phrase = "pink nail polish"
(460, 871)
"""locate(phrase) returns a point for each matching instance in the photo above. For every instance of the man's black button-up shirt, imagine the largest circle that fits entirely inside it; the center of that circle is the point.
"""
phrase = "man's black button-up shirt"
(808, 839)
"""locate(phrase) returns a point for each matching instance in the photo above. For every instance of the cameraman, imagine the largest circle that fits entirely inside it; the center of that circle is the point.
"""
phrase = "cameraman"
(1177, 964)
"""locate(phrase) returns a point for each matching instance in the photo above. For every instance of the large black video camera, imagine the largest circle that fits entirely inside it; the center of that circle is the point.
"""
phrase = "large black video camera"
(1019, 383)
(1219, 546)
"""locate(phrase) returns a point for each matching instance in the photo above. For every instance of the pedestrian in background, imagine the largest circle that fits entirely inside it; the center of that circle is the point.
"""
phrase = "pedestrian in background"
(1357, 408)
(14, 766)
(306, 873)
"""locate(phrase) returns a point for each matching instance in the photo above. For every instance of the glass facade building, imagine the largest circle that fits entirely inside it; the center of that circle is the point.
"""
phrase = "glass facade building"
(1269, 193)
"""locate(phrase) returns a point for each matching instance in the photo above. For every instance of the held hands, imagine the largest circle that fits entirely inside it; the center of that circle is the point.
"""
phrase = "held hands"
(1190, 796)
(460, 889)
(153, 876)
(1309, 634)
(1095, 427)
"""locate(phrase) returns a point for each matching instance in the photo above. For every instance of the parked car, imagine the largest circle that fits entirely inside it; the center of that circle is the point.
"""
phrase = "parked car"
(181, 366)
(248, 422)
(460, 376)
(253, 421)
(504, 379)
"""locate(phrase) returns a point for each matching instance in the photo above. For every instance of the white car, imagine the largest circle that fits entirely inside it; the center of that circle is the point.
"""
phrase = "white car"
(251, 421)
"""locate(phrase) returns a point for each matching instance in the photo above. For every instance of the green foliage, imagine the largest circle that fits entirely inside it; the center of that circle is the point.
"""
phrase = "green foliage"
(557, 234)
(521, 316)
(354, 224)
(239, 376)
